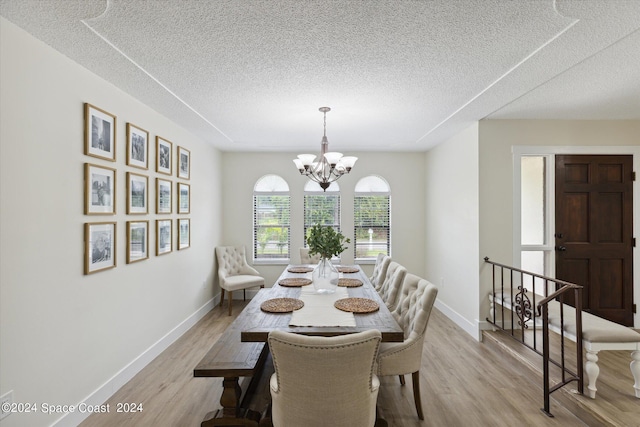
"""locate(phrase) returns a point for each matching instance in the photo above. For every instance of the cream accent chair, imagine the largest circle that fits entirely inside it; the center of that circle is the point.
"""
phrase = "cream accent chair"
(379, 270)
(412, 314)
(324, 381)
(391, 285)
(235, 273)
(305, 258)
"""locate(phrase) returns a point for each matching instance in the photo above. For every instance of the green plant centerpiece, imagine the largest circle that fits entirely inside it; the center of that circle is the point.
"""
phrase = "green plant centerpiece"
(327, 242)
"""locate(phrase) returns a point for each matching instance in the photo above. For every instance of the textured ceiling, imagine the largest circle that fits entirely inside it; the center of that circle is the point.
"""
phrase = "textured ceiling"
(398, 75)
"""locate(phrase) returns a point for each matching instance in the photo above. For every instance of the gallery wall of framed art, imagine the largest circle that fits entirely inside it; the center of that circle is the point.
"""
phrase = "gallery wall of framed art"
(101, 192)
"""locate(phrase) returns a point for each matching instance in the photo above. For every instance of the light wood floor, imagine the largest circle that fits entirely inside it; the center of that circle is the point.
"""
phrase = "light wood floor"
(463, 383)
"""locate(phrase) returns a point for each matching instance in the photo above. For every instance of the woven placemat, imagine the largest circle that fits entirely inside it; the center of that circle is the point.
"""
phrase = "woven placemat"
(357, 305)
(299, 269)
(350, 283)
(348, 269)
(294, 282)
(281, 305)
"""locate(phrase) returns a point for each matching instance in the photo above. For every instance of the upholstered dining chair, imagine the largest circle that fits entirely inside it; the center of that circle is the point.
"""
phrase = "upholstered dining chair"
(412, 314)
(389, 289)
(379, 270)
(235, 273)
(324, 381)
(305, 258)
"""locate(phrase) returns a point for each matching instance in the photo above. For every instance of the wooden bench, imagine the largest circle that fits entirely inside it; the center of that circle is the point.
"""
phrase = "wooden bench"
(598, 334)
(231, 359)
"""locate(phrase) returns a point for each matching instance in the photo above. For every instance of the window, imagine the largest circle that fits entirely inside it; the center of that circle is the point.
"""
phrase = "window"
(533, 209)
(321, 207)
(372, 208)
(271, 219)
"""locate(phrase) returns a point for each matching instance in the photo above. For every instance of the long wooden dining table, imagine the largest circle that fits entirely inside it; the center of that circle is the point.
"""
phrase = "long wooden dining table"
(242, 350)
(255, 324)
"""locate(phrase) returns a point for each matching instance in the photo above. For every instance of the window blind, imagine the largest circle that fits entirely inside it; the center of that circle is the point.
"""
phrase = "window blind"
(271, 226)
(372, 233)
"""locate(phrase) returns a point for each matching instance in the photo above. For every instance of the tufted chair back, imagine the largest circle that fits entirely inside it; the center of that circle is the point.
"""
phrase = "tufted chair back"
(417, 309)
(232, 261)
(391, 285)
(379, 270)
(324, 381)
(405, 299)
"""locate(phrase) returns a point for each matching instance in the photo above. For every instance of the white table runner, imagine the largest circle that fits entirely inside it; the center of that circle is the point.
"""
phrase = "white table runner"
(318, 309)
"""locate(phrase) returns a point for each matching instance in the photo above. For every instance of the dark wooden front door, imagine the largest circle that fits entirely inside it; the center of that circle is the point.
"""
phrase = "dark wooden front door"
(594, 231)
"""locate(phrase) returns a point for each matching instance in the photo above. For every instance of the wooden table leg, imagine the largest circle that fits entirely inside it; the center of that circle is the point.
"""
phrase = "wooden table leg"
(231, 414)
(230, 399)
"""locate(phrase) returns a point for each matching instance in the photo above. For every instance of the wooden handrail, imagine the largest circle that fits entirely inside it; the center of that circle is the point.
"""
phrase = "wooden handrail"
(558, 292)
(539, 276)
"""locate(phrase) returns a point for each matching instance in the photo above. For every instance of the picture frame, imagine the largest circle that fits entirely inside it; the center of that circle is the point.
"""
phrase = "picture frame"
(137, 194)
(184, 198)
(100, 190)
(137, 147)
(164, 236)
(184, 233)
(99, 133)
(164, 150)
(137, 241)
(163, 196)
(183, 162)
(99, 246)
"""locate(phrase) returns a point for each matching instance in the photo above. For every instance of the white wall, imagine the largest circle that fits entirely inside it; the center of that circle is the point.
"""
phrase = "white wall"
(497, 138)
(452, 234)
(65, 336)
(403, 171)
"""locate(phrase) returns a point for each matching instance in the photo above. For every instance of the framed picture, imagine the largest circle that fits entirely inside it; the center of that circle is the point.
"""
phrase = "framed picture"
(184, 198)
(163, 236)
(184, 162)
(100, 190)
(184, 233)
(163, 196)
(99, 133)
(99, 246)
(163, 155)
(137, 241)
(137, 147)
(137, 193)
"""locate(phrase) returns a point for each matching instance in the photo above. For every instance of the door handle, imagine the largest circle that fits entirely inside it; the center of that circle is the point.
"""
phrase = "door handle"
(561, 248)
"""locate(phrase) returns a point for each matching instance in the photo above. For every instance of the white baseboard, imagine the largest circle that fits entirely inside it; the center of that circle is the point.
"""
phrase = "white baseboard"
(469, 327)
(108, 389)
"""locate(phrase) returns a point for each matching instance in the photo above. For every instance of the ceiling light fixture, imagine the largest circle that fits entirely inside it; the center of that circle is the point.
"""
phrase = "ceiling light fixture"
(331, 164)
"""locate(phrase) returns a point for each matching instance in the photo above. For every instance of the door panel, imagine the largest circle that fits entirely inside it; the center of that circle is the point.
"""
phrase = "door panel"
(594, 231)
(576, 218)
(611, 271)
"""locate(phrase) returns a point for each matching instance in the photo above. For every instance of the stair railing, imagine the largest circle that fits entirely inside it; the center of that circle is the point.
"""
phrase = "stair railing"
(519, 297)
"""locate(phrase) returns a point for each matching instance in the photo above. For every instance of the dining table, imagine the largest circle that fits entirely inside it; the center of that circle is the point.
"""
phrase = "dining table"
(255, 323)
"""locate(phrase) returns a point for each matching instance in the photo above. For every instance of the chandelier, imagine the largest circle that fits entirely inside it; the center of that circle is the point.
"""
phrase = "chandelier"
(329, 167)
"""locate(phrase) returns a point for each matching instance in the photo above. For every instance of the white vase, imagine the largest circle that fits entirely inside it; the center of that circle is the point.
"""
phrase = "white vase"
(325, 277)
